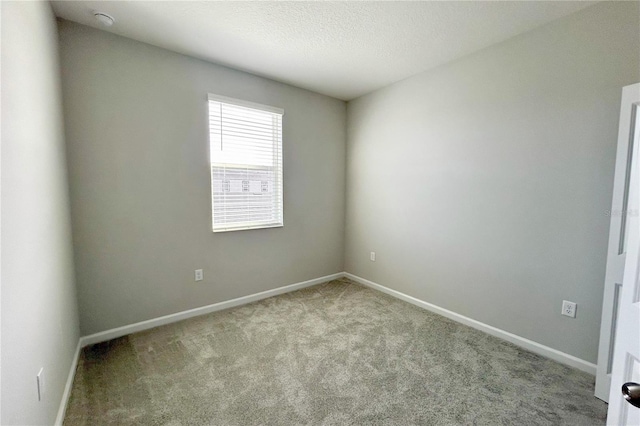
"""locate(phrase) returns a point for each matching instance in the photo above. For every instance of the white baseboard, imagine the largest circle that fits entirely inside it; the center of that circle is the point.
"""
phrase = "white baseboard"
(67, 387)
(103, 336)
(530, 345)
(168, 319)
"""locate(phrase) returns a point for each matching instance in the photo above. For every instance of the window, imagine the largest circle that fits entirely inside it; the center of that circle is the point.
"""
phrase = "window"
(246, 164)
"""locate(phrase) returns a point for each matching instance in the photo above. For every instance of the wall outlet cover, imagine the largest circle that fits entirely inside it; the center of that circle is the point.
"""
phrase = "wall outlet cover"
(569, 308)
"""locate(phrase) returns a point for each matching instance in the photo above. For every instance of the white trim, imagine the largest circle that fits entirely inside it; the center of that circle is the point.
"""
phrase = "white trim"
(246, 104)
(530, 345)
(249, 227)
(64, 402)
(168, 319)
(103, 336)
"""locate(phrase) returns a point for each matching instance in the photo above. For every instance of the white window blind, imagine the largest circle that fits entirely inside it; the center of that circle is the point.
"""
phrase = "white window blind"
(246, 164)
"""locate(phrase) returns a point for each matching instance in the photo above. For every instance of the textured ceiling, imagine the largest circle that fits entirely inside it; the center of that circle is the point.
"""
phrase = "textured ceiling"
(341, 49)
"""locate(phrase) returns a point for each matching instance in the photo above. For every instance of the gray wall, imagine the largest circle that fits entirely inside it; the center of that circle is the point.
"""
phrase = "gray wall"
(39, 314)
(482, 185)
(137, 134)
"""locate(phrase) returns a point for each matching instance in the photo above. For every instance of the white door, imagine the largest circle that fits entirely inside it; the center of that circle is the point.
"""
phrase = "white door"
(624, 395)
(618, 238)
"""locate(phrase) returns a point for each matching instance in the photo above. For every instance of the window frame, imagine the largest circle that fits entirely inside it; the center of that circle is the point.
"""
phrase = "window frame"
(278, 144)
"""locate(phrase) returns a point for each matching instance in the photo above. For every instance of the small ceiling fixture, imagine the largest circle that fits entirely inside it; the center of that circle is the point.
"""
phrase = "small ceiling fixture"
(104, 19)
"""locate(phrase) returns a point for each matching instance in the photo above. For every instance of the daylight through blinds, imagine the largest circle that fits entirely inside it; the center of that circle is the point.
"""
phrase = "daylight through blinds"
(246, 164)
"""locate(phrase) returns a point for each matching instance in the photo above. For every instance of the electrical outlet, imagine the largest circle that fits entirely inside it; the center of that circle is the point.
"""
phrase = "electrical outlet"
(40, 384)
(372, 256)
(199, 275)
(569, 308)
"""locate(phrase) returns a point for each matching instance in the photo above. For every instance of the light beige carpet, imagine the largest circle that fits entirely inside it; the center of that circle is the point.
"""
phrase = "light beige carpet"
(333, 354)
